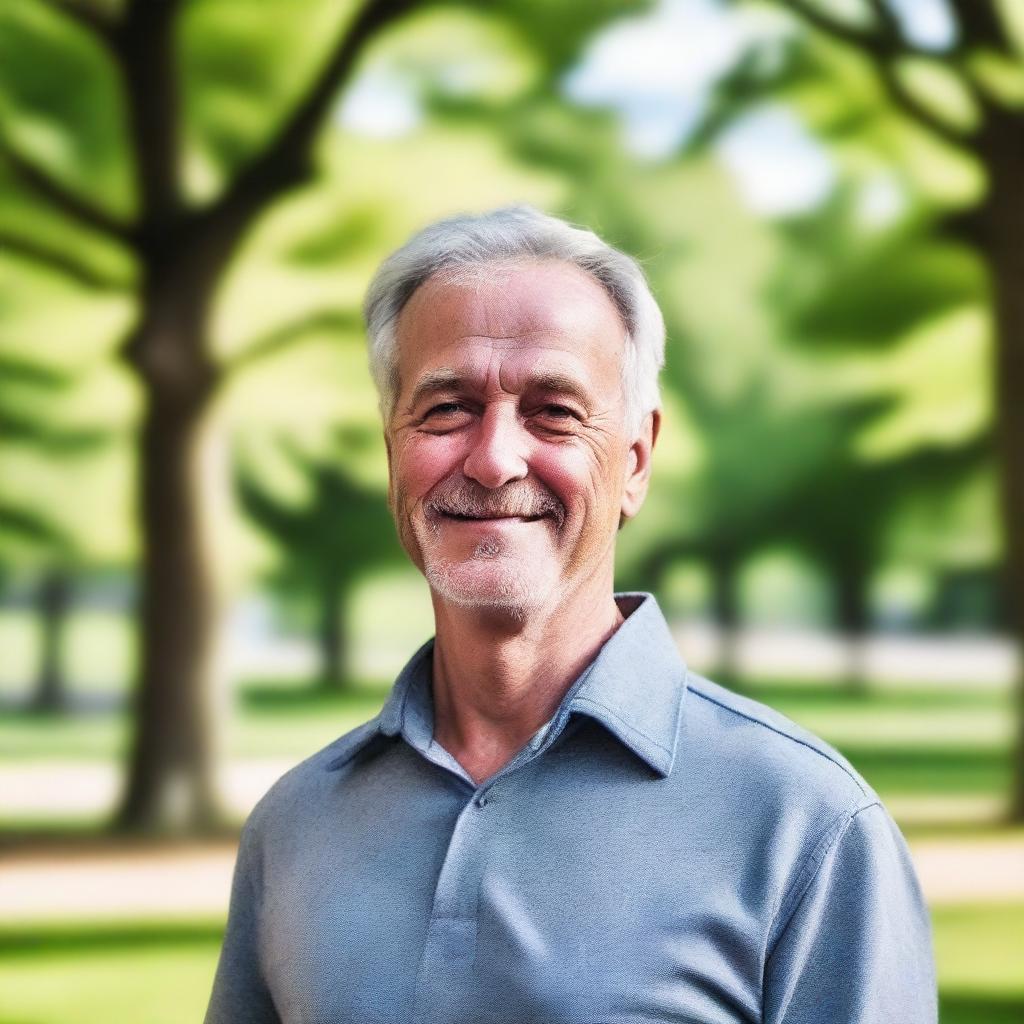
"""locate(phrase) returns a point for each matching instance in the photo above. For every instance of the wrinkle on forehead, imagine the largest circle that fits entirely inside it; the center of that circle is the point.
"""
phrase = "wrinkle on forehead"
(499, 304)
(493, 371)
(544, 317)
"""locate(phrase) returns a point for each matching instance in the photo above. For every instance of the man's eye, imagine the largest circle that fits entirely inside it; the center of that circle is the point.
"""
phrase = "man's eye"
(558, 412)
(444, 409)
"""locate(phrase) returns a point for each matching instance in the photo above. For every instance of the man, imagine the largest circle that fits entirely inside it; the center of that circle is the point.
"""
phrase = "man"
(552, 819)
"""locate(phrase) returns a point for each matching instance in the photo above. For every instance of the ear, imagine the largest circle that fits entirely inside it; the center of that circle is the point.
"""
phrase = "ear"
(638, 466)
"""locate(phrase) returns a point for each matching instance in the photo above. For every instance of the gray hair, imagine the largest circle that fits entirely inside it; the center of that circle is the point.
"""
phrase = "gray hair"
(515, 234)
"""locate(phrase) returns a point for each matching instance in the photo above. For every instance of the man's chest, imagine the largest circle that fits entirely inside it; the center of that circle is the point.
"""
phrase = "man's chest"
(539, 903)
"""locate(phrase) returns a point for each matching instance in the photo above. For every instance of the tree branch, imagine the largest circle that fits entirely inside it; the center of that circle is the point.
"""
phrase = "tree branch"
(60, 262)
(282, 338)
(886, 39)
(883, 46)
(889, 26)
(42, 183)
(966, 226)
(841, 30)
(146, 58)
(286, 161)
(916, 110)
(884, 16)
(981, 26)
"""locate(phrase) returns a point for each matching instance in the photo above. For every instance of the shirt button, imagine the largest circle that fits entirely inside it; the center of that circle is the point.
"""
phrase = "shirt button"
(481, 801)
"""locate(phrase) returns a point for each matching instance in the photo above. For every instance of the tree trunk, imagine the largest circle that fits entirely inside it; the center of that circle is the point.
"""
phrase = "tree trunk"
(170, 786)
(726, 612)
(1003, 224)
(54, 601)
(851, 582)
(333, 638)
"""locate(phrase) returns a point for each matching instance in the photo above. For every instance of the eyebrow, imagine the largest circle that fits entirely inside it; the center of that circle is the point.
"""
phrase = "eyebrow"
(434, 380)
(445, 379)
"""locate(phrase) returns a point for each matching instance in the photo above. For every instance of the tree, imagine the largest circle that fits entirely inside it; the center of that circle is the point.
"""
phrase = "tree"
(764, 440)
(181, 251)
(53, 540)
(185, 126)
(967, 93)
(328, 541)
(917, 307)
(763, 422)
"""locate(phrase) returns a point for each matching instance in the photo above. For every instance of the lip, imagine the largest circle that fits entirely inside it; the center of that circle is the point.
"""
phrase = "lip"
(487, 520)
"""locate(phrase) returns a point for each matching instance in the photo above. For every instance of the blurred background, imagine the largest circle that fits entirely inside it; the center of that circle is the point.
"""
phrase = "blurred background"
(199, 581)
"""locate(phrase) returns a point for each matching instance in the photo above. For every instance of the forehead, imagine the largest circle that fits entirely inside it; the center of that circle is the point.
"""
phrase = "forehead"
(543, 315)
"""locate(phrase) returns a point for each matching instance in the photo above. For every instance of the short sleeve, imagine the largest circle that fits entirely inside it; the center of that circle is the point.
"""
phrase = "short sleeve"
(240, 992)
(856, 946)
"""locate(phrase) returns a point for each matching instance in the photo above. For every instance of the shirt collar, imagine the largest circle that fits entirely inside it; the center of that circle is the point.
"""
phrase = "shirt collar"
(636, 684)
(634, 688)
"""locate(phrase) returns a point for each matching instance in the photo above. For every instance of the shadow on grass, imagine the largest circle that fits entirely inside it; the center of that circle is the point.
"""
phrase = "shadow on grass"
(838, 696)
(933, 770)
(71, 705)
(28, 942)
(70, 837)
(980, 1009)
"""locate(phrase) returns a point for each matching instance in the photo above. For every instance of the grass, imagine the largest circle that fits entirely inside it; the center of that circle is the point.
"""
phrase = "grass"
(980, 958)
(936, 741)
(980, 950)
(149, 974)
(272, 720)
(161, 972)
(296, 721)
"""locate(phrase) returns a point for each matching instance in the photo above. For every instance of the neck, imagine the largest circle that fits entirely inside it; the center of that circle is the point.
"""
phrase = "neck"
(497, 678)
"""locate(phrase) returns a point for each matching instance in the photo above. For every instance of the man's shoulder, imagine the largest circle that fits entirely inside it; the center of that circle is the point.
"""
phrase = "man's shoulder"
(770, 751)
(297, 789)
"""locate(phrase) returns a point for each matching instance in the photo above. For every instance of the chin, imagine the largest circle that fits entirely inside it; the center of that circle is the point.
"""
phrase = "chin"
(505, 589)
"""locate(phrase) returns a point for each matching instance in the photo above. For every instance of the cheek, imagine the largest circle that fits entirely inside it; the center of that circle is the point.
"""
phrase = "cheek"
(423, 461)
(577, 479)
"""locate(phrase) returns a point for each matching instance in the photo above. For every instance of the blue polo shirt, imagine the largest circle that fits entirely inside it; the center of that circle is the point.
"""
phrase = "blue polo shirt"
(663, 850)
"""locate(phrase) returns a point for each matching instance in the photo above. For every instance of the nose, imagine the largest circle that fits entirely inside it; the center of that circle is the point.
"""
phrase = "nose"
(498, 448)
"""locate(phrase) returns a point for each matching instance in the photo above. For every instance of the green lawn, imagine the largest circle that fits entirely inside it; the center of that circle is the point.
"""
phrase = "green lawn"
(102, 974)
(980, 956)
(160, 973)
(271, 720)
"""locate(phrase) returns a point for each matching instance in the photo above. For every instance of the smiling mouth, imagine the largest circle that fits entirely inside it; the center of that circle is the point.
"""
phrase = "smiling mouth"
(490, 518)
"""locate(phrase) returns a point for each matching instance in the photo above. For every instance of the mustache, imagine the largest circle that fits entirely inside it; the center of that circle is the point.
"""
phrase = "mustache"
(470, 500)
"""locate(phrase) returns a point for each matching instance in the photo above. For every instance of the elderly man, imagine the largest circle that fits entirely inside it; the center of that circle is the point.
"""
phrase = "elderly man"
(552, 819)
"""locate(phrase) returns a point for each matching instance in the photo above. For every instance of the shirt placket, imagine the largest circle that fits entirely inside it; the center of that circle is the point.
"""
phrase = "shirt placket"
(444, 982)
(445, 985)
